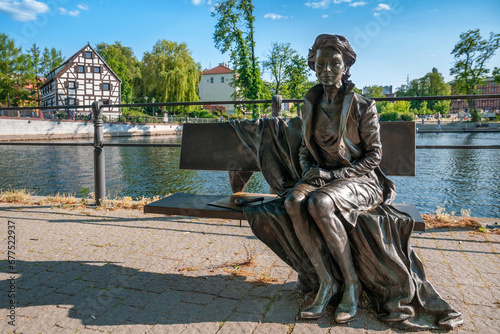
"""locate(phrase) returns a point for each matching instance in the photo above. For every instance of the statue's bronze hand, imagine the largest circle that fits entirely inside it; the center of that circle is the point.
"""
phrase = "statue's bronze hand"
(315, 173)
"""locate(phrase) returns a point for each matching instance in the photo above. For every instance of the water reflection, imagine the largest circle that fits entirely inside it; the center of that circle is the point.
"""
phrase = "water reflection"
(454, 179)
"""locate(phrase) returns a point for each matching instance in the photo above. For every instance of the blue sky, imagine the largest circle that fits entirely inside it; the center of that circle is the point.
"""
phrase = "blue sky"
(392, 38)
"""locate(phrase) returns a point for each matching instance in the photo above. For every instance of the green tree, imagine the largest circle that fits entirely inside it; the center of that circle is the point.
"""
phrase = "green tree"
(170, 74)
(51, 59)
(234, 33)
(288, 70)
(34, 72)
(431, 84)
(496, 74)
(12, 72)
(471, 53)
(374, 91)
(123, 62)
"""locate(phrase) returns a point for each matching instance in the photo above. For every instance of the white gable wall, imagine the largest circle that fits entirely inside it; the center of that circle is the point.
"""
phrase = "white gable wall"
(212, 88)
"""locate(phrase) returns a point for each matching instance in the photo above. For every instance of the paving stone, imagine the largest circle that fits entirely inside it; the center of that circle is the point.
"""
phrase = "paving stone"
(269, 328)
(74, 287)
(168, 327)
(147, 317)
(184, 312)
(240, 323)
(140, 298)
(253, 305)
(201, 328)
(218, 310)
(165, 301)
(311, 327)
(478, 296)
(486, 326)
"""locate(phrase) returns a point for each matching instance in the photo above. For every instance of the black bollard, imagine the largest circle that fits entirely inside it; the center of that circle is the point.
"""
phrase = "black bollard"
(99, 168)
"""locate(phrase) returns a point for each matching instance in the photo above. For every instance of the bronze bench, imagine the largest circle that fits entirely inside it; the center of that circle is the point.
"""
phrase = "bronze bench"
(216, 147)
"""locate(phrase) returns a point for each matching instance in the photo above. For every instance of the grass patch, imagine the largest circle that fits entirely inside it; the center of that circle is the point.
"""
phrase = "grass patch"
(19, 196)
(23, 196)
(442, 219)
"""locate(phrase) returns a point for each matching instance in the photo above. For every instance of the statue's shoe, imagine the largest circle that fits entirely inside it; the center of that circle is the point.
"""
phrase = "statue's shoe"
(318, 307)
(345, 313)
(348, 307)
(313, 311)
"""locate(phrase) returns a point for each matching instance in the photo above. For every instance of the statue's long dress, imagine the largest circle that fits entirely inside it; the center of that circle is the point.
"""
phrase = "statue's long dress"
(391, 273)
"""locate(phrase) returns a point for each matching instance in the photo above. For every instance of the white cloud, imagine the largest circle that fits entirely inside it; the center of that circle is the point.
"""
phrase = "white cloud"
(273, 16)
(382, 6)
(324, 16)
(24, 10)
(359, 3)
(323, 3)
(319, 4)
(64, 11)
(83, 6)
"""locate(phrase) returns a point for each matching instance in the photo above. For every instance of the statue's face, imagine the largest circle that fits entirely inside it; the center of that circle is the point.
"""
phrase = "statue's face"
(329, 67)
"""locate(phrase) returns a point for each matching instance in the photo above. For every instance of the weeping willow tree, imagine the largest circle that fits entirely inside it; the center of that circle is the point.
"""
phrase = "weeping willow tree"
(170, 74)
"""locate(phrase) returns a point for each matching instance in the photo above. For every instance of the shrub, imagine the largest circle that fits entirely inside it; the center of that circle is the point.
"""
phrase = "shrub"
(407, 116)
(392, 116)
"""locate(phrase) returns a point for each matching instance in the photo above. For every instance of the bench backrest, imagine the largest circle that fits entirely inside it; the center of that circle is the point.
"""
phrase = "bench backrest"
(215, 146)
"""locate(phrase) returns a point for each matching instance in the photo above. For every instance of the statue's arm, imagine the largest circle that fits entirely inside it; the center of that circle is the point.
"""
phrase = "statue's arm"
(306, 160)
(369, 132)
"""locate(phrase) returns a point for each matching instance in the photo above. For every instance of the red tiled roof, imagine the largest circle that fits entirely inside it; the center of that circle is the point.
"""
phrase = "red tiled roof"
(221, 69)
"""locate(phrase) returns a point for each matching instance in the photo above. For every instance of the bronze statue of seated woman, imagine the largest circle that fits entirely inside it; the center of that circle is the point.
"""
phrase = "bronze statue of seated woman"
(334, 223)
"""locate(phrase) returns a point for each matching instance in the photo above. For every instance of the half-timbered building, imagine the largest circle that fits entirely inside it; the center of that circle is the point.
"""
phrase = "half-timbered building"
(82, 79)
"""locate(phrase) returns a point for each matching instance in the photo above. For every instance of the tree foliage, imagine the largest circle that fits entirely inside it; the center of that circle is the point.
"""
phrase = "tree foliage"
(51, 59)
(288, 70)
(12, 72)
(471, 53)
(431, 84)
(234, 33)
(170, 74)
(124, 63)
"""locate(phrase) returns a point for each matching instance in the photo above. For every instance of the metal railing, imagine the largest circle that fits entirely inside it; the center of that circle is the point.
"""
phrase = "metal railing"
(276, 103)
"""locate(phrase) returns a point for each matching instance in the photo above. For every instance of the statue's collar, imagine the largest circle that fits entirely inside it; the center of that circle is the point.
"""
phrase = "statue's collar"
(317, 91)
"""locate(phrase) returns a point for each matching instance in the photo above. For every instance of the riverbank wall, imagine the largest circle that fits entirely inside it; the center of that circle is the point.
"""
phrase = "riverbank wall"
(13, 128)
(457, 127)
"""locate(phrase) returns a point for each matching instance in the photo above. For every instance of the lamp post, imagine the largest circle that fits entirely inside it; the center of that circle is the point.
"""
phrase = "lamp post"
(153, 107)
(146, 108)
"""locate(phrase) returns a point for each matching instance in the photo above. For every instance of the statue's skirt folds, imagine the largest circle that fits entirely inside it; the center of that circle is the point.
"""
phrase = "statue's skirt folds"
(392, 275)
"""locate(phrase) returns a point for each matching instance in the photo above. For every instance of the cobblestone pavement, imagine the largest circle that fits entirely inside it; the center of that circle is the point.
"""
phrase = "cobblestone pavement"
(89, 271)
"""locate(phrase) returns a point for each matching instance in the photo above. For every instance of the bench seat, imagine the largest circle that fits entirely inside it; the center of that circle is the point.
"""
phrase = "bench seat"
(198, 205)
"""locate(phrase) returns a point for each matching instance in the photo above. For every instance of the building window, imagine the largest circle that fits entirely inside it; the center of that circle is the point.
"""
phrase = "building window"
(71, 85)
(97, 69)
(105, 101)
(88, 54)
(222, 79)
(81, 69)
(105, 86)
(70, 102)
(211, 79)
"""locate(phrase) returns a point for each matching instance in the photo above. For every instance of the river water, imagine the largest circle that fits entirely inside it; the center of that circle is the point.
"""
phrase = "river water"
(453, 179)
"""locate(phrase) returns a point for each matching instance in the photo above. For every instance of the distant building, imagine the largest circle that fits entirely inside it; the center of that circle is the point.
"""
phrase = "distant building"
(82, 79)
(215, 85)
(487, 105)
